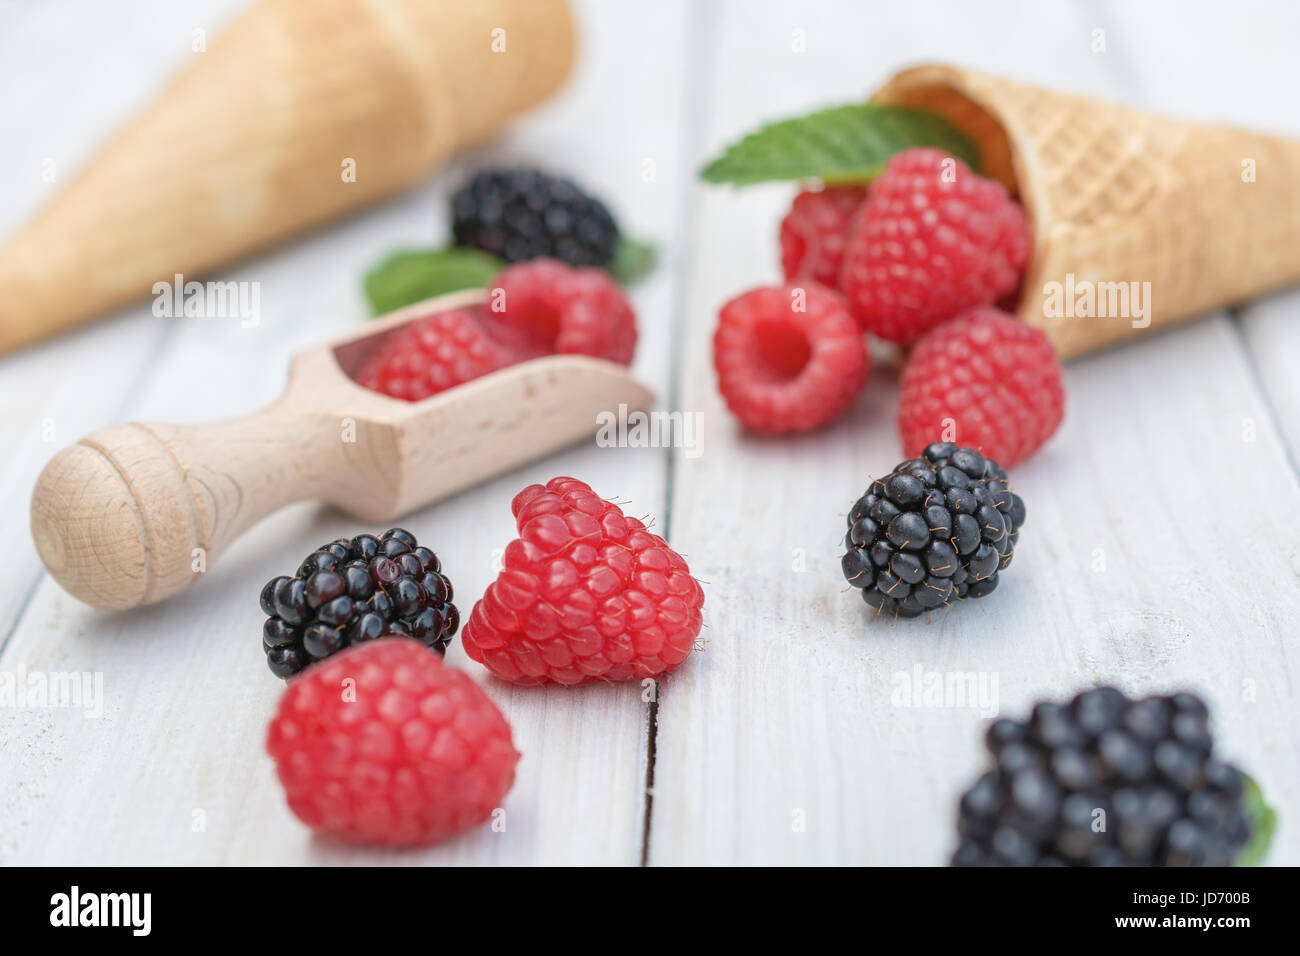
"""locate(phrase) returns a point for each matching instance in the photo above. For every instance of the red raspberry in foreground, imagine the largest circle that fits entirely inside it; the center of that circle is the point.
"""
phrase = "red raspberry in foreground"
(543, 307)
(815, 230)
(932, 239)
(585, 594)
(383, 744)
(986, 380)
(428, 355)
(789, 358)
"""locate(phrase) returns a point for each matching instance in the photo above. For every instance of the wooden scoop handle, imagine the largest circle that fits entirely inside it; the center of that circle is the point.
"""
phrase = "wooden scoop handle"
(134, 513)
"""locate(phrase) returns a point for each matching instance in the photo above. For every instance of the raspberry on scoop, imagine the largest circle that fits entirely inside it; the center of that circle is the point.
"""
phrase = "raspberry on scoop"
(536, 308)
(586, 593)
(543, 307)
(789, 358)
(432, 354)
(932, 239)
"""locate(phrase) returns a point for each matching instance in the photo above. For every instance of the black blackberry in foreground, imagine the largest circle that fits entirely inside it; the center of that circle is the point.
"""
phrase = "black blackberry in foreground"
(352, 591)
(936, 528)
(521, 214)
(1106, 780)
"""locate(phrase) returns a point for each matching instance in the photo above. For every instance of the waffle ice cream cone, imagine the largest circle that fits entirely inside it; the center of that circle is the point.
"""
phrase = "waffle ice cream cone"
(1152, 218)
(300, 111)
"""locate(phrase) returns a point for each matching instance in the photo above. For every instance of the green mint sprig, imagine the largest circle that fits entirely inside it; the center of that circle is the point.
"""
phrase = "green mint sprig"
(416, 274)
(413, 275)
(632, 260)
(842, 144)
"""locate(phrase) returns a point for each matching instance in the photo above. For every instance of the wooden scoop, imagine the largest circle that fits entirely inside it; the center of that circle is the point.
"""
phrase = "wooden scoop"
(132, 514)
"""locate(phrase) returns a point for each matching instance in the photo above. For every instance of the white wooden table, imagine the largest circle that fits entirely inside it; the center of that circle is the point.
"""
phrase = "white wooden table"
(778, 742)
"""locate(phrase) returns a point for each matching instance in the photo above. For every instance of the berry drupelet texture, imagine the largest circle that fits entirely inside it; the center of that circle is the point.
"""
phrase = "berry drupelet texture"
(1105, 780)
(585, 593)
(995, 378)
(521, 214)
(416, 754)
(351, 591)
(933, 238)
(936, 528)
(815, 231)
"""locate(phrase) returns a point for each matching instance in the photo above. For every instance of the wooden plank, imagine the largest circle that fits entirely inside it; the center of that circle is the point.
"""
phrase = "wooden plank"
(187, 694)
(783, 742)
(56, 391)
(1259, 95)
(1271, 329)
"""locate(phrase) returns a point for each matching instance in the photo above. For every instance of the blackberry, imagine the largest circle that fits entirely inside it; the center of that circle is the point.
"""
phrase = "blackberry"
(936, 528)
(520, 214)
(1105, 780)
(349, 591)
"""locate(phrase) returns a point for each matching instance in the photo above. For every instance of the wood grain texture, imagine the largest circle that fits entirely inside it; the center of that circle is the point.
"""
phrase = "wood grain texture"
(187, 694)
(1118, 196)
(786, 742)
(791, 704)
(1258, 94)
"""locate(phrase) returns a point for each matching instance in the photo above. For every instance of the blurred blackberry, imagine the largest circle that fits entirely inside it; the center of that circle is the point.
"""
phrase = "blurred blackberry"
(936, 528)
(352, 591)
(521, 214)
(1105, 780)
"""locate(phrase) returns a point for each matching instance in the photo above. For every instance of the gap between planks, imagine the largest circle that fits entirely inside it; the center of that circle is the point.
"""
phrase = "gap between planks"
(694, 125)
(1235, 315)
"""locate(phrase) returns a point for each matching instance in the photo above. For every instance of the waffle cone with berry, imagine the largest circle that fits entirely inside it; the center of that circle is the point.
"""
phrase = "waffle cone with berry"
(1117, 195)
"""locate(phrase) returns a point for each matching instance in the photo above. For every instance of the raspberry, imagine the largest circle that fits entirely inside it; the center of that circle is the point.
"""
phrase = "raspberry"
(347, 592)
(1144, 768)
(585, 594)
(789, 358)
(931, 240)
(522, 214)
(544, 307)
(382, 744)
(429, 355)
(985, 379)
(814, 232)
(536, 308)
(936, 528)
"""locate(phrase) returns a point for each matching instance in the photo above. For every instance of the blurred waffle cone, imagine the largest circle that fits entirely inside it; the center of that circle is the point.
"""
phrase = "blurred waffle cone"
(250, 143)
(1116, 195)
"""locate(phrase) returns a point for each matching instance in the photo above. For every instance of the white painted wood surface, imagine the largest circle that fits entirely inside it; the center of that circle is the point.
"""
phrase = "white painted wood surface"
(779, 741)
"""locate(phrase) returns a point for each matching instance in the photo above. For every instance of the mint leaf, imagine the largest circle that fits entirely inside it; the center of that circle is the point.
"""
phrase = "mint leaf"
(632, 260)
(842, 144)
(1263, 821)
(417, 274)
